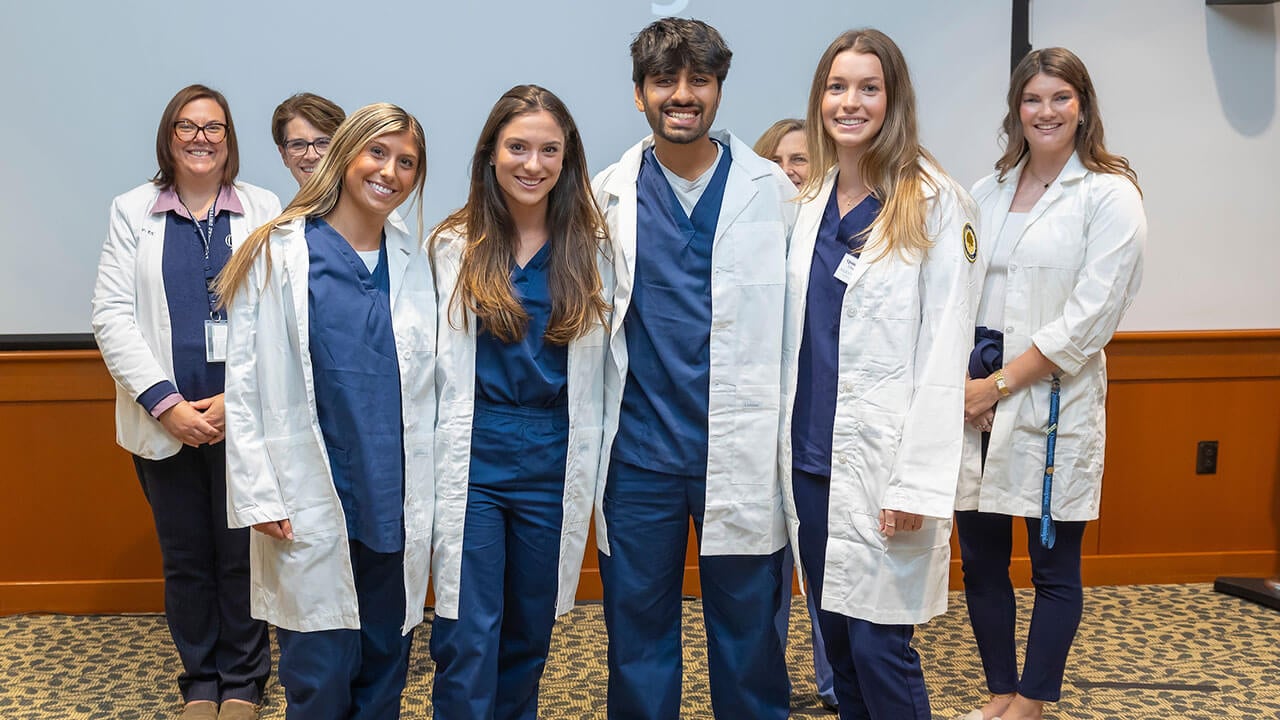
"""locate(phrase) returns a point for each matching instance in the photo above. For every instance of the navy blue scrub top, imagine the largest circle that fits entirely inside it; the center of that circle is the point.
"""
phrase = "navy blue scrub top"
(814, 417)
(186, 272)
(668, 327)
(530, 372)
(357, 385)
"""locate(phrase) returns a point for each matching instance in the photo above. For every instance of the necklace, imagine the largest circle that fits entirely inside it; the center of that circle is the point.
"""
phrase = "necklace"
(851, 201)
(1038, 179)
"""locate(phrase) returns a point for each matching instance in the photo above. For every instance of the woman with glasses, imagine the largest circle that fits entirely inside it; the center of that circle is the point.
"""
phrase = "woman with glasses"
(303, 126)
(163, 338)
(330, 420)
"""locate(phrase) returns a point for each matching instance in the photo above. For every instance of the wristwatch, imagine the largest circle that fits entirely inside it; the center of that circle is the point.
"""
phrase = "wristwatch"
(1002, 387)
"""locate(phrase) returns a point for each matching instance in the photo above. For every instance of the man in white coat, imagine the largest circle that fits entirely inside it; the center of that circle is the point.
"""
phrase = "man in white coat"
(699, 225)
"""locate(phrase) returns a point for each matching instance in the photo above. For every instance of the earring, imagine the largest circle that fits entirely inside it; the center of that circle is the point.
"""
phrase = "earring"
(1081, 122)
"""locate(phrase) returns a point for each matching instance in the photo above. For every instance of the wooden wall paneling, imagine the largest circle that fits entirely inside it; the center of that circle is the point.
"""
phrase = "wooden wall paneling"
(78, 535)
(77, 532)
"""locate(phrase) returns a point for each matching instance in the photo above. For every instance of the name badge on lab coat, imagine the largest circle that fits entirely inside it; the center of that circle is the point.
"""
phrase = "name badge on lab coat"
(844, 272)
(215, 341)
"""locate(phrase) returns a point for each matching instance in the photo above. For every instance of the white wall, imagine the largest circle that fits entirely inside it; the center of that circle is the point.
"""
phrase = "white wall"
(1188, 94)
(84, 84)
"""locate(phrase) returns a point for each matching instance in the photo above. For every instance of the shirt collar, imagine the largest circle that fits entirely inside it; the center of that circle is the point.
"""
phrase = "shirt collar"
(228, 201)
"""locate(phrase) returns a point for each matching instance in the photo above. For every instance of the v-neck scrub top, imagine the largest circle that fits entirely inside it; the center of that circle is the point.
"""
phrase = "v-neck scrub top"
(530, 372)
(665, 402)
(357, 385)
(813, 419)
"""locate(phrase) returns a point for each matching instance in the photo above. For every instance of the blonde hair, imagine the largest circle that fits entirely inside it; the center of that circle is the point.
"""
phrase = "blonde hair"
(576, 234)
(320, 193)
(1066, 66)
(894, 166)
(768, 143)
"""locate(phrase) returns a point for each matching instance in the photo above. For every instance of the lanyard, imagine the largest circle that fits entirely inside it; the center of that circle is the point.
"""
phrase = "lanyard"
(1047, 532)
(206, 239)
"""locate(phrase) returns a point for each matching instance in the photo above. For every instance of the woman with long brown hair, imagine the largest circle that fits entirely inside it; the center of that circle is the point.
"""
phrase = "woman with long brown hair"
(1065, 229)
(523, 316)
(330, 415)
(881, 291)
(163, 337)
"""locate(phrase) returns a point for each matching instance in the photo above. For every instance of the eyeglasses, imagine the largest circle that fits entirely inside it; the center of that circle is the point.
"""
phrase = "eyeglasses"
(298, 148)
(214, 132)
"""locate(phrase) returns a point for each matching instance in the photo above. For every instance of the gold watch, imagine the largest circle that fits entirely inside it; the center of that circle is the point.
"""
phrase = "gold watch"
(1002, 387)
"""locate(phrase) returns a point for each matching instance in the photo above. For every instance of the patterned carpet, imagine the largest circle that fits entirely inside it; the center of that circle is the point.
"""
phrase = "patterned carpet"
(1167, 652)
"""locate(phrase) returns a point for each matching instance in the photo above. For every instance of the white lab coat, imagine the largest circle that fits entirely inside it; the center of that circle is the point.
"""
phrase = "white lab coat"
(905, 335)
(277, 464)
(743, 503)
(131, 310)
(455, 386)
(1075, 269)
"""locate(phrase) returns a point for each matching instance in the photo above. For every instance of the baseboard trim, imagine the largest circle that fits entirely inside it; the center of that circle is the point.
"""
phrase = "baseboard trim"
(82, 597)
(1159, 569)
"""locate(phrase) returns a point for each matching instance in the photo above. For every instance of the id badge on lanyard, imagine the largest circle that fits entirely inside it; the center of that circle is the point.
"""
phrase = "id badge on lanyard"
(215, 328)
(215, 340)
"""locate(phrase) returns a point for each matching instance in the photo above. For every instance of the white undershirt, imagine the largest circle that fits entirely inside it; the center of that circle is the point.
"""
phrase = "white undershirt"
(688, 192)
(991, 311)
(370, 258)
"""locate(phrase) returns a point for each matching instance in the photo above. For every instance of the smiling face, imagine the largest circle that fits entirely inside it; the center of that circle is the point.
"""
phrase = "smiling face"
(680, 107)
(197, 159)
(301, 166)
(793, 157)
(1050, 113)
(382, 175)
(527, 158)
(854, 101)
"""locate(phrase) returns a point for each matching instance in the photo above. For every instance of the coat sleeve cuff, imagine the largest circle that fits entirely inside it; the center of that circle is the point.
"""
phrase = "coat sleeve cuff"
(159, 397)
(1058, 348)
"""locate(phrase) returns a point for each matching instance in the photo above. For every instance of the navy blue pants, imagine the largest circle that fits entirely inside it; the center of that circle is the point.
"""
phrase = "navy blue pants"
(647, 514)
(352, 674)
(489, 661)
(986, 543)
(877, 672)
(822, 676)
(225, 653)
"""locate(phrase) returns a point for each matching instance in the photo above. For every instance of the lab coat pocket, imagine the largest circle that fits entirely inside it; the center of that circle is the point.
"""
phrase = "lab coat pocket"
(755, 429)
(302, 473)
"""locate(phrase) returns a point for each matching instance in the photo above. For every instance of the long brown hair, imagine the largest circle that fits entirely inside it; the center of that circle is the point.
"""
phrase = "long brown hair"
(1064, 65)
(576, 234)
(167, 173)
(320, 194)
(893, 167)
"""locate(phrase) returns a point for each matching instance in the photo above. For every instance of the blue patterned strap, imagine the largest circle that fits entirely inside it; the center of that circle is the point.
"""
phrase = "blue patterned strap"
(1047, 532)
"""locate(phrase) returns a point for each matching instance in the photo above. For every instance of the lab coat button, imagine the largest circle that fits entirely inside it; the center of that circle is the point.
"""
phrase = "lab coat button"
(1009, 329)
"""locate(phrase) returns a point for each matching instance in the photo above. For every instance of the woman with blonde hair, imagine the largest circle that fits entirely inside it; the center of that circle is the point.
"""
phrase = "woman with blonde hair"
(520, 371)
(784, 144)
(330, 415)
(881, 291)
(1066, 229)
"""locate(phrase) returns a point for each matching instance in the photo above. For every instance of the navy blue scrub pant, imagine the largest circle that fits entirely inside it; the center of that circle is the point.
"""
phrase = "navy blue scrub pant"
(352, 674)
(490, 659)
(986, 543)
(822, 676)
(647, 514)
(877, 672)
(225, 653)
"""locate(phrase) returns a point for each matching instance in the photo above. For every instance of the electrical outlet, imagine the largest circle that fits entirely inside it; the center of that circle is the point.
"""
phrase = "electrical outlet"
(1207, 457)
